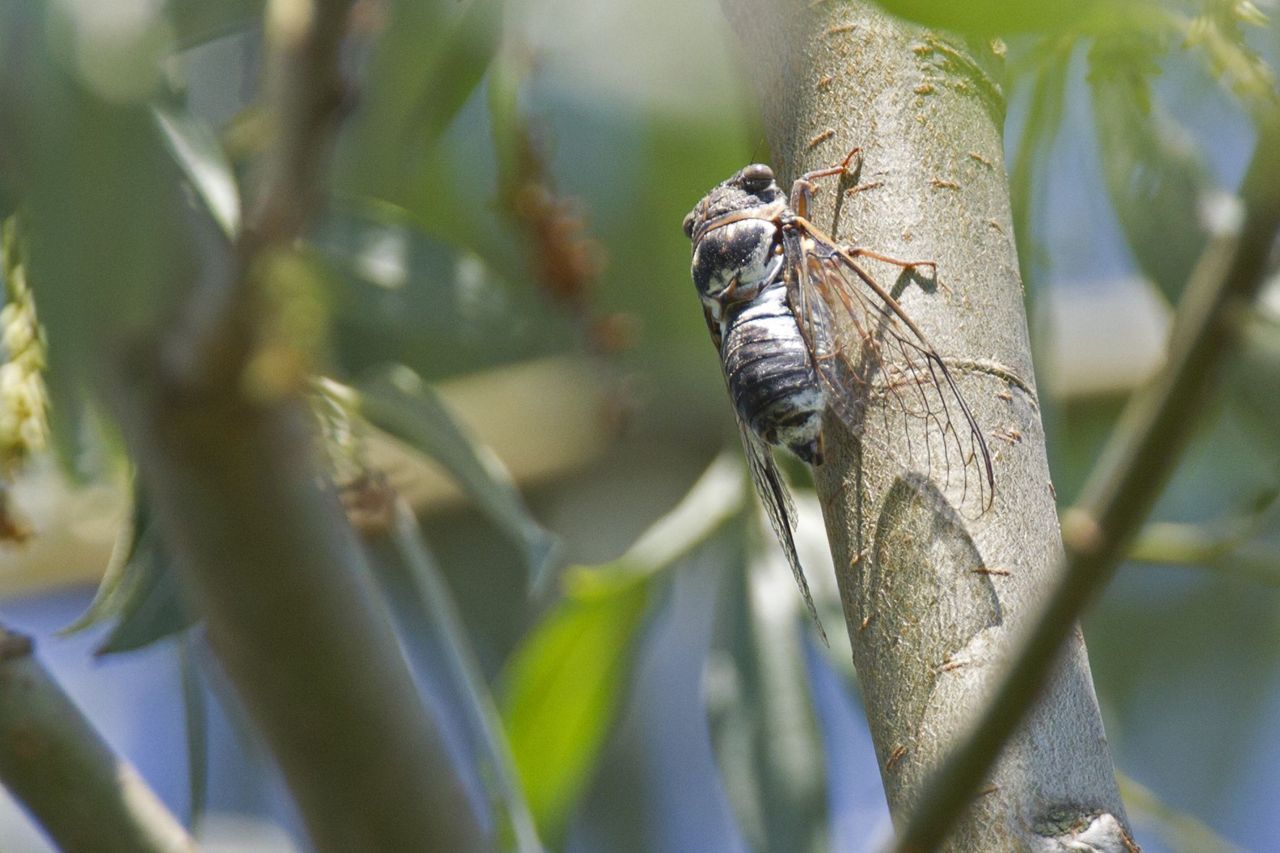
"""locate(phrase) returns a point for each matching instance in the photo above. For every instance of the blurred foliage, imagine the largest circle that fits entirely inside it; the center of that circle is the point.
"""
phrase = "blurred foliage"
(1034, 155)
(1153, 171)
(1176, 829)
(1153, 168)
(398, 402)
(767, 741)
(401, 294)
(991, 17)
(1256, 375)
(197, 21)
(556, 727)
(563, 691)
(509, 185)
(435, 639)
(139, 592)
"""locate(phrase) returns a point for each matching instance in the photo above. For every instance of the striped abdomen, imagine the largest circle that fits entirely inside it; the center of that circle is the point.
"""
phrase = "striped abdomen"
(770, 372)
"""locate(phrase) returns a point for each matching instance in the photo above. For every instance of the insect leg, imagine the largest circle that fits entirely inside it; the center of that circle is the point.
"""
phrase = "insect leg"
(803, 189)
(841, 169)
(858, 252)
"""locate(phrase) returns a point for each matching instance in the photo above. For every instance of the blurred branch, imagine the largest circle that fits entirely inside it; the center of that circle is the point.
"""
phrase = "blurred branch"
(262, 546)
(304, 93)
(1139, 459)
(65, 775)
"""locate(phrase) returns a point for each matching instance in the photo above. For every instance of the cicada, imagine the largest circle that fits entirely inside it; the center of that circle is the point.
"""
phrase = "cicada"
(802, 328)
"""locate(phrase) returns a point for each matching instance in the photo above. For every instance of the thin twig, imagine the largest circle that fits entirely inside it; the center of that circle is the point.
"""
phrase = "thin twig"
(1129, 477)
(62, 772)
(305, 93)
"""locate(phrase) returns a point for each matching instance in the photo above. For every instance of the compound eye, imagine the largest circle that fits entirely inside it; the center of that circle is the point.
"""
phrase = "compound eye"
(688, 225)
(757, 177)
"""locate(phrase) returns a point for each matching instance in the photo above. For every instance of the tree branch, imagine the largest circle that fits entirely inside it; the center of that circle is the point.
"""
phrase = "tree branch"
(934, 601)
(64, 775)
(305, 93)
(1139, 459)
(262, 547)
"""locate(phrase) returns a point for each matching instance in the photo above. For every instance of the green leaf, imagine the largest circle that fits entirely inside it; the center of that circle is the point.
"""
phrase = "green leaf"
(154, 609)
(139, 590)
(507, 124)
(397, 401)
(196, 150)
(198, 21)
(564, 685)
(106, 218)
(458, 66)
(427, 62)
(1044, 117)
(1255, 374)
(716, 498)
(96, 260)
(1179, 830)
(562, 691)
(768, 745)
(116, 584)
(992, 17)
(197, 730)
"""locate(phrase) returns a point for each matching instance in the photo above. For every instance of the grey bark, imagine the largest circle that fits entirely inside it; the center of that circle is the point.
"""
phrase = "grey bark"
(936, 603)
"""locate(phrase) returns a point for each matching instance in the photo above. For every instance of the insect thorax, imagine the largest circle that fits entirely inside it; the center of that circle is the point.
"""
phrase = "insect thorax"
(745, 252)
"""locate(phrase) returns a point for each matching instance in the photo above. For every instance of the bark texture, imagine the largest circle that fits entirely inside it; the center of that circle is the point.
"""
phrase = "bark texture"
(936, 602)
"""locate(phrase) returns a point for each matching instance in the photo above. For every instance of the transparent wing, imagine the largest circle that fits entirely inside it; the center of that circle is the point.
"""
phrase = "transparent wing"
(778, 506)
(875, 363)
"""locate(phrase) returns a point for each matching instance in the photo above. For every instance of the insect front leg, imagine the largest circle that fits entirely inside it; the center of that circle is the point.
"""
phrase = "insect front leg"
(804, 188)
(841, 169)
